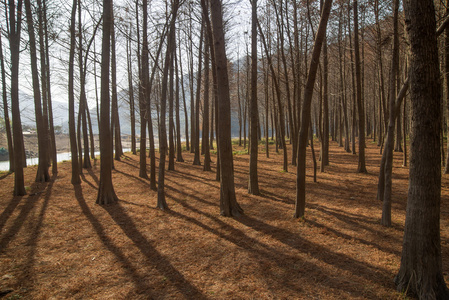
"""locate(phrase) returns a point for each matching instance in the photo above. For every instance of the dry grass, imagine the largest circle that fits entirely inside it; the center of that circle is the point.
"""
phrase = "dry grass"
(56, 243)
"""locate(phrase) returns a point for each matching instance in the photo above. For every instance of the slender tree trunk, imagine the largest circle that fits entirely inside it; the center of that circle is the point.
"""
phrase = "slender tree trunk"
(72, 131)
(115, 120)
(143, 87)
(44, 84)
(360, 109)
(171, 123)
(205, 141)
(196, 140)
(132, 110)
(5, 111)
(85, 163)
(14, 42)
(228, 201)
(305, 116)
(161, 202)
(42, 174)
(178, 112)
(253, 187)
(106, 193)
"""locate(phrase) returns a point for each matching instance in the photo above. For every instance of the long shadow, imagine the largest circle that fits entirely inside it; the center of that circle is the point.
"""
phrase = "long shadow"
(133, 177)
(161, 263)
(206, 181)
(277, 198)
(31, 201)
(283, 260)
(5, 175)
(94, 176)
(83, 178)
(338, 260)
(349, 238)
(193, 194)
(34, 236)
(4, 216)
(129, 164)
(241, 240)
(349, 218)
(140, 282)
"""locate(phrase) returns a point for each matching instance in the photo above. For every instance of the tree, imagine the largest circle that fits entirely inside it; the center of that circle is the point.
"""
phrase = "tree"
(253, 187)
(228, 201)
(420, 273)
(305, 113)
(48, 87)
(14, 31)
(170, 52)
(5, 110)
(115, 120)
(205, 140)
(42, 174)
(196, 136)
(386, 168)
(72, 131)
(106, 193)
(362, 166)
(132, 110)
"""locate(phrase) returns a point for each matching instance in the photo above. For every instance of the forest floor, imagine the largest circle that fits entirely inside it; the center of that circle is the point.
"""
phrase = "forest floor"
(56, 243)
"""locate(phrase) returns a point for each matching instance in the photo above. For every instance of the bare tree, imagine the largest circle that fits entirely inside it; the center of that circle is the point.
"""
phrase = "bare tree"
(253, 187)
(421, 273)
(72, 131)
(106, 193)
(228, 201)
(305, 114)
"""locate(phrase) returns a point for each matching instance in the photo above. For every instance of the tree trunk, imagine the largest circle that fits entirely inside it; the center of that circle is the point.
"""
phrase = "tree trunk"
(253, 187)
(143, 87)
(196, 140)
(178, 112)
(228, 202)
(132, 110)
(14, 42)
(306, 107)
(170, 52)
(42, 174)
(421, 266)
(106, 193)
(72, 131)
(360, 109)
(5, 110)
(205, 141)
(115, 120)
(171, 123)
(184, 102)
(85, 163)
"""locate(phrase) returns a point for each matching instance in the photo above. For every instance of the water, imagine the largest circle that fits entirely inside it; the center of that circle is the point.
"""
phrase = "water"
(63, 156)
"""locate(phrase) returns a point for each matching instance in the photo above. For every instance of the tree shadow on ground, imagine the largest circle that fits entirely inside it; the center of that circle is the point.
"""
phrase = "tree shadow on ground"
(140, 282)
(339, 260)
(154, 258)
(30, 202)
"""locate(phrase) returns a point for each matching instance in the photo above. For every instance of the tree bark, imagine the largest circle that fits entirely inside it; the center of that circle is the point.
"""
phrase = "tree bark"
(306, 107)
(228, 201)
(42, 174)
(72, 131)
(5, 111)
(253, 187)
(205, 141)
(161, 203)
(360, 109)
(420, 273)
(106, 193)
